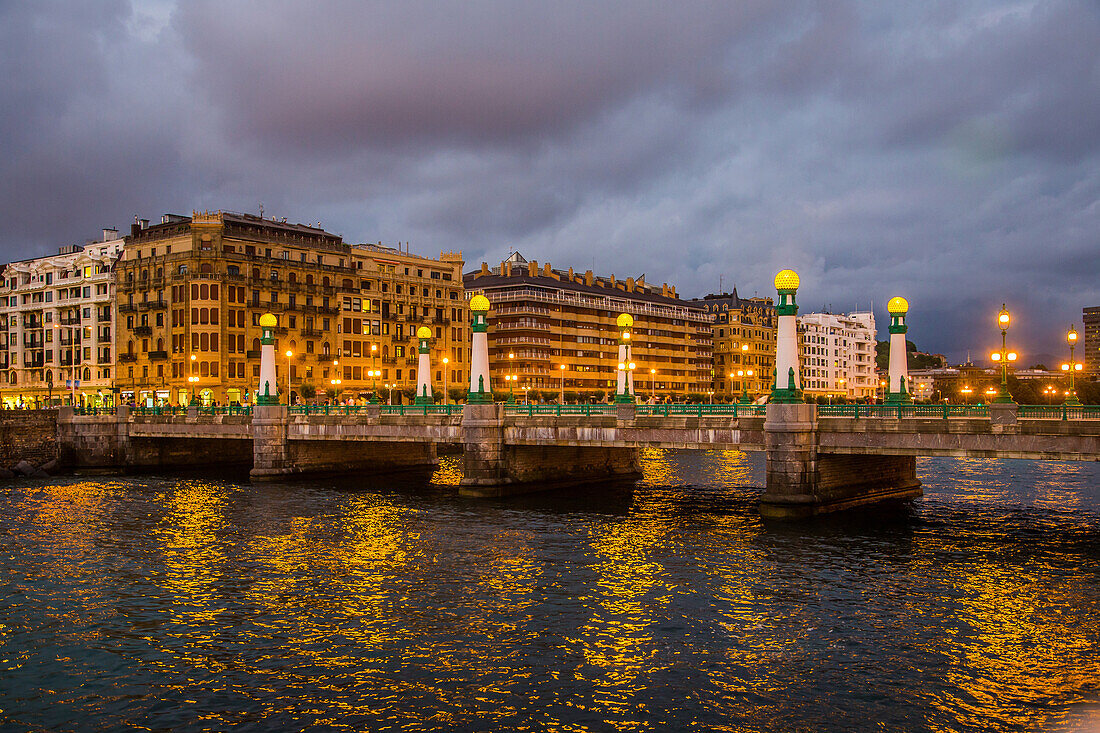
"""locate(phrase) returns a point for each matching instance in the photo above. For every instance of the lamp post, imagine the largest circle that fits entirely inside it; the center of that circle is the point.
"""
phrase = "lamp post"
(446, 361)
(288, 353)
(374, 378)
(652, 380)
(193, 379)
(624, 392)
(561, 399)
(525, 393)
(511, 378)
(1072, 367)
(1004, 355)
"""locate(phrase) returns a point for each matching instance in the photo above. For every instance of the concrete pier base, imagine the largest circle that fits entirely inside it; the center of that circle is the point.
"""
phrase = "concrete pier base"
(802, 481)
(493, 469)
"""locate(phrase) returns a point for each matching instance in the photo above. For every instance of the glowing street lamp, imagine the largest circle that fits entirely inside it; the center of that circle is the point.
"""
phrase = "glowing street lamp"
(511, 378)
(1072, 367)
(1004, 355)
(966, 392)
(374, 379)
(446, 361)
(652, 380)
(561, 399)
(288, 355)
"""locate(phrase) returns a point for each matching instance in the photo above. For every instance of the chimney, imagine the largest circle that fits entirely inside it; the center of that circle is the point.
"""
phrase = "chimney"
(484, 269)
(533, 268)
(570, 274)
(612, 282)
(144, 223)
(546, 269)
(135, 227)
(506, 269)
(664, 289)
(588, 278)
(630, 285)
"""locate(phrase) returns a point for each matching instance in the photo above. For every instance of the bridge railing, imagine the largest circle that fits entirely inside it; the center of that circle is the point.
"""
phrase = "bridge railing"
(899, 412)
(701, 410)
(78, 410)
(530, 410)
(1059, 412)
(158, 410)
(382, 409)
(226, 410)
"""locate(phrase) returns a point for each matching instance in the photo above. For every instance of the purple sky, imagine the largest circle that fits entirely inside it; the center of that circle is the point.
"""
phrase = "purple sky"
(944, 151)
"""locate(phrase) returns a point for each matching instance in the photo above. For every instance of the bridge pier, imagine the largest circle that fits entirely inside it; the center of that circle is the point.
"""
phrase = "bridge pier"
(493, 468)
(802, 481)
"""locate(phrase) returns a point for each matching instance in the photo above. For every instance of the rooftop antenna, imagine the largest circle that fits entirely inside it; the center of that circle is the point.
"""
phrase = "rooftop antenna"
(261, 209)
(720, 283)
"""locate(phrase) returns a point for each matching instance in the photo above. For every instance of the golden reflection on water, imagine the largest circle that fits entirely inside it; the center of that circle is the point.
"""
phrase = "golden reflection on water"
(363, 609)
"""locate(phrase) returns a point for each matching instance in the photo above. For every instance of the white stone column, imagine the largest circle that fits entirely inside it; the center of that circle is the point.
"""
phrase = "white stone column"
(788, 377)
(899, 389)
(267, 391)
(424, 369)
(481, 389)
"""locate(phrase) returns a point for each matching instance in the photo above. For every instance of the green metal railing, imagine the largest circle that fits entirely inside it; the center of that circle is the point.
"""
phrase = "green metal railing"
(700, 410)
(530, 410)
(93, 410)
(162, 410)
(226, 410)
(899, 412)
(1059, 412)
(421, 409)
(384, 409)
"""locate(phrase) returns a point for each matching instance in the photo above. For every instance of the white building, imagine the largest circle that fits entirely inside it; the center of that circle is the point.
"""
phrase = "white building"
(837, 354)
(57, 325)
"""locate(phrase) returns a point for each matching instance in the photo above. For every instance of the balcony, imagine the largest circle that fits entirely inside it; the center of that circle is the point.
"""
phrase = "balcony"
(158, 355)
(154, 305)
(252, 355)
(104, 318)
(312, 333)
(143, 330)
(127, 308)
(127, 357)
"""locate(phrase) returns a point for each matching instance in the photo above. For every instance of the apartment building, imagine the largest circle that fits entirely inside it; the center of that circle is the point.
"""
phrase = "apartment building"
(555, 330)
(191, 291)
(56, 326)
(1091, 337)
(744, 344)
(837, 353)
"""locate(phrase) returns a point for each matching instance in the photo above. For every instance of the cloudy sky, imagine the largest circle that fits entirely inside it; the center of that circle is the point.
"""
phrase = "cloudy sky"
(945, 151)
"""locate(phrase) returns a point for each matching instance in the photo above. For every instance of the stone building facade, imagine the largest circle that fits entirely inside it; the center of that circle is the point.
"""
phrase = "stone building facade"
(191, 291)
(744, 344)
(837, 354)
(549, 319)
(56, 326)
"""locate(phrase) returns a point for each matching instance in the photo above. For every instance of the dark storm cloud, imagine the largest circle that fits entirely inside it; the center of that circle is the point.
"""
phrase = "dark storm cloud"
(945, 151)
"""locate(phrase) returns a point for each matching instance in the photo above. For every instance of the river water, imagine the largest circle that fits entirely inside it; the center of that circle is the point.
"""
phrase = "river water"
(192, 603)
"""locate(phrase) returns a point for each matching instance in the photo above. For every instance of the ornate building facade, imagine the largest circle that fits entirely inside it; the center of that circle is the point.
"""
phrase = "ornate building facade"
(744, 344)
(191, 291)
(56, 326)
(555, 330)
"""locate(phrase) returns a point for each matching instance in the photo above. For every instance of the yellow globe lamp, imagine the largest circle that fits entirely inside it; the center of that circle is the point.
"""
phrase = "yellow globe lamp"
(424, 332)
(625, 320)
(1003, 319)
(479, 304)
(898, 306)
(268, 320)
(786, 280)
(1071, 337)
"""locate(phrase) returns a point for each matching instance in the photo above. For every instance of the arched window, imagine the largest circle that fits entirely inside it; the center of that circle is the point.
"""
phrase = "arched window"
(144, 274)
(49, 375)
(255, 273)
(347, 284)
(160, 344)
(255, 344)
(292, 277)
(160, 272)
(206, 269)
(324, 348)
(182, 269)
(130, 346)
(325, 281)
(130, 276)
(87, 374)
(309, 279)
(14, 379)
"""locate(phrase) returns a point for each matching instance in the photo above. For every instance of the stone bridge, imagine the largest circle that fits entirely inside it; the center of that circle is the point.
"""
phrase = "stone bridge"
(818, 458)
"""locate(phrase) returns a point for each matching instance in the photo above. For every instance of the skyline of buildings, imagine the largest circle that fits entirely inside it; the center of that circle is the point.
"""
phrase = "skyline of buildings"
(170, 311)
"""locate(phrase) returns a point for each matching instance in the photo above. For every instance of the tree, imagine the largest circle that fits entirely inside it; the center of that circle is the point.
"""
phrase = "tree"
(307, 390)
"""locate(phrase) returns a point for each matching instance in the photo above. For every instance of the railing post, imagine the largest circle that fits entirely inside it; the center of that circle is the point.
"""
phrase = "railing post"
(1065, 412)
